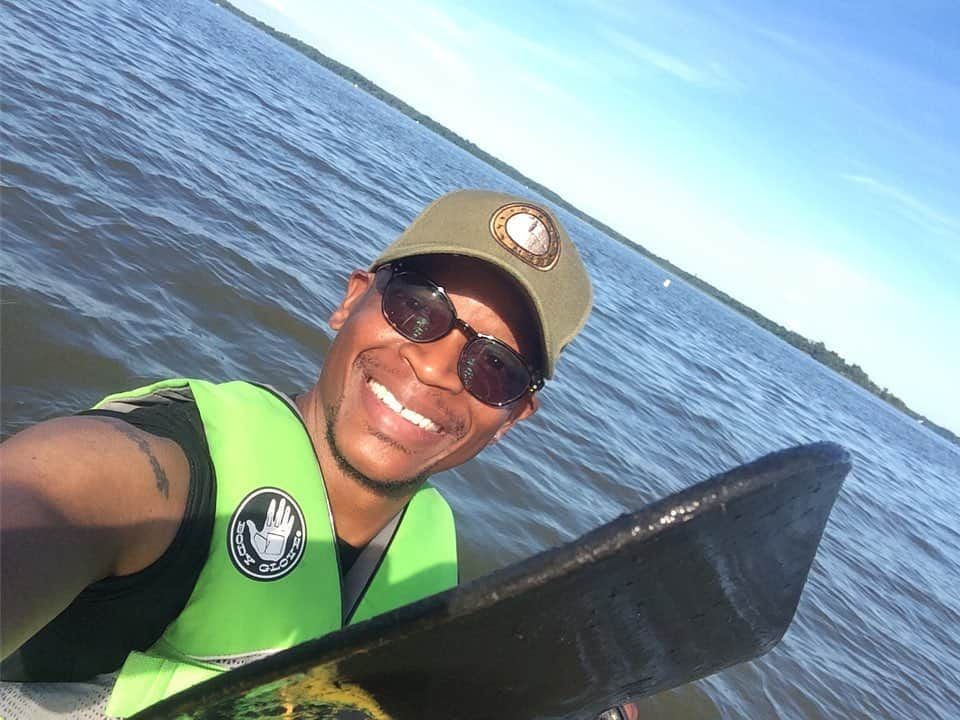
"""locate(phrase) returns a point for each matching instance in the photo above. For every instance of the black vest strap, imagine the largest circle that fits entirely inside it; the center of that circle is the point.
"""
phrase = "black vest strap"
(364, 567)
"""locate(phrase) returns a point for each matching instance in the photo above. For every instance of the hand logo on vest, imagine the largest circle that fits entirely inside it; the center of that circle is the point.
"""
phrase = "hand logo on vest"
(270, 540)
(267, 535)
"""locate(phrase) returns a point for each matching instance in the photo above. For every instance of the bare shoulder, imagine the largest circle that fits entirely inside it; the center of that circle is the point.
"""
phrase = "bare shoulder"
(81, 499)
(103, 475)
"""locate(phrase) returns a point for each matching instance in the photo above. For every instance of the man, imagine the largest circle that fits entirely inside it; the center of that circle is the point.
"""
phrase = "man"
(188, 527)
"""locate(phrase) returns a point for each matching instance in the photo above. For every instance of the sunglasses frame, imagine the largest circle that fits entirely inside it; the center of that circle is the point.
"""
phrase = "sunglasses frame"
(397, 269)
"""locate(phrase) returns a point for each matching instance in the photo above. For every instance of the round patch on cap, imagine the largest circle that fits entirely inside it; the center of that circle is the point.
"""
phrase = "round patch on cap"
(267, 534)
(529, 233)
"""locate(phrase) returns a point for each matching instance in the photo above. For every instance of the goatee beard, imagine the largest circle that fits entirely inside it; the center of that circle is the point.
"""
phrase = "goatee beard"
(384, 488)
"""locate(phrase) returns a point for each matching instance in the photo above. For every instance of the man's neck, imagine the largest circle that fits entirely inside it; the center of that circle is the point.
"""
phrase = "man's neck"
(359, 512)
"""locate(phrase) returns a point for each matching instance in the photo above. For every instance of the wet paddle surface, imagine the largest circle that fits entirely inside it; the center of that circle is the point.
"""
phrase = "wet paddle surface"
(575, 630)
(184, 196)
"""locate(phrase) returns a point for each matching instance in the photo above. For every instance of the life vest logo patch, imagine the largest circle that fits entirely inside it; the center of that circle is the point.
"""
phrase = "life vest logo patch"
(267, 534)
(529, 233)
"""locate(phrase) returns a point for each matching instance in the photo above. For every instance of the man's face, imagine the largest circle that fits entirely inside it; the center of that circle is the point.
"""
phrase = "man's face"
(397, 410)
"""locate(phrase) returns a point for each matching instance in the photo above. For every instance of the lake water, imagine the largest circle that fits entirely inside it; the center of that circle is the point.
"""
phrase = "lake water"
(184, 196)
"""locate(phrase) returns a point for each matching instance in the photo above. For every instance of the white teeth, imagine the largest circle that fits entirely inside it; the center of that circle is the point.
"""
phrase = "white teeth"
(388, 399)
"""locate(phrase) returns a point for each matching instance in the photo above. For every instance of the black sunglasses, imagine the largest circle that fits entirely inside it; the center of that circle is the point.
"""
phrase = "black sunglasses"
(490, 370)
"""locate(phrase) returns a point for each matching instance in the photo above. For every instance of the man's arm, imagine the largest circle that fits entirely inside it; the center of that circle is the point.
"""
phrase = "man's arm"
(81, 499)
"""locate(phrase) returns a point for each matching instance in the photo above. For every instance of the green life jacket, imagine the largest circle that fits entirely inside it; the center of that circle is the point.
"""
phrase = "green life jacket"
(272, 579)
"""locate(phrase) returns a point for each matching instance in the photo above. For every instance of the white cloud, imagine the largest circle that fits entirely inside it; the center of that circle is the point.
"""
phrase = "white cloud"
(908, 204)
(442, 24)
(713, 75)
(506, 43)
(279, 5)
(444, 60)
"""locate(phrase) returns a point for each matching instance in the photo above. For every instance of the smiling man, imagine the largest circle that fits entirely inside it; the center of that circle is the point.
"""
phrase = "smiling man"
(187, 527)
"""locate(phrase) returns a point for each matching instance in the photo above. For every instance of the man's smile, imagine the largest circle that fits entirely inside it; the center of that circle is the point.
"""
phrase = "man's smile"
(412, 416)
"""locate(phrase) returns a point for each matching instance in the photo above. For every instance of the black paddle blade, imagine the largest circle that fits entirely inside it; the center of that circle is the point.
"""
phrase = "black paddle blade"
(687, 586)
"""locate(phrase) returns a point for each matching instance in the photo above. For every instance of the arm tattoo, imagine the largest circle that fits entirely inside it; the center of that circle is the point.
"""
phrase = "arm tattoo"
(159, 474)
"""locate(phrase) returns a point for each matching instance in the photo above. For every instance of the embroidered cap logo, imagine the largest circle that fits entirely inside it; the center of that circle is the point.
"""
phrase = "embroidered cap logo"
(527, 232)
(267, 534)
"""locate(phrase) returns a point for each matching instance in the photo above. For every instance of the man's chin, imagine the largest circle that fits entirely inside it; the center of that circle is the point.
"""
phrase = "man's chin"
(387, 488)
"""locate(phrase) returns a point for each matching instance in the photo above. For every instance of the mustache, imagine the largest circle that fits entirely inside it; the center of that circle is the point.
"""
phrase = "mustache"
(439, 411)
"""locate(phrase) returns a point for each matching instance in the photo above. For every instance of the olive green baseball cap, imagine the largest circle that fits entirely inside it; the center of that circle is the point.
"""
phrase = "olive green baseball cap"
(520, 237)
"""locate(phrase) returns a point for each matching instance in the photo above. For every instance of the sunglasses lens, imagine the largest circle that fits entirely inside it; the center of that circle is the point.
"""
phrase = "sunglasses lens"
(492, 372)
(416, 309)
(419, 310)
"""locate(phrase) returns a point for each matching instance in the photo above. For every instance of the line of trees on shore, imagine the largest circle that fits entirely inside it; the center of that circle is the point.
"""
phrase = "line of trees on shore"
(815, 349)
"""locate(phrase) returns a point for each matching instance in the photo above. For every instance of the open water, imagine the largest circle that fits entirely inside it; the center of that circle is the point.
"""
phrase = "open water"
(184, 196)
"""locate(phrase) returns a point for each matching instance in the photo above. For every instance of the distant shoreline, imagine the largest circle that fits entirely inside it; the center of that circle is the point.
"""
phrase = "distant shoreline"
(817, 350)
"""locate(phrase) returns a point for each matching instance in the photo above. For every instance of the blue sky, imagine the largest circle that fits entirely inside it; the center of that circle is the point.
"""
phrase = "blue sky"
(804, 157)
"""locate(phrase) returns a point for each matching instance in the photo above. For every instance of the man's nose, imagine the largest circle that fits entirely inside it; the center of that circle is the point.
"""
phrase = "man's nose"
(435, 363)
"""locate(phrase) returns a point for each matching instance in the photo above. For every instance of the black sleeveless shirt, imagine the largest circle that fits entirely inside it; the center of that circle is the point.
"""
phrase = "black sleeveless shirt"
(110, 618)
(117, 615)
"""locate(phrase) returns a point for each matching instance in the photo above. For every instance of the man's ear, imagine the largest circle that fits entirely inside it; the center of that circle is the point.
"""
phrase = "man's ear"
(526, 407)
(358, 284)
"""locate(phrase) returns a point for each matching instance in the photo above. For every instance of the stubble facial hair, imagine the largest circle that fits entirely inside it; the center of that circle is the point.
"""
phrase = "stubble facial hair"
(384, 488)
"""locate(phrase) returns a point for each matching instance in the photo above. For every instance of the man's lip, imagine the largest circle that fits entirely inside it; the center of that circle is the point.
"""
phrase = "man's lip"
(388, 422)
(392, 402)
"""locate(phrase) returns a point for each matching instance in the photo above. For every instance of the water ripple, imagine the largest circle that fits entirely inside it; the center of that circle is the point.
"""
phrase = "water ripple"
(182, 196)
